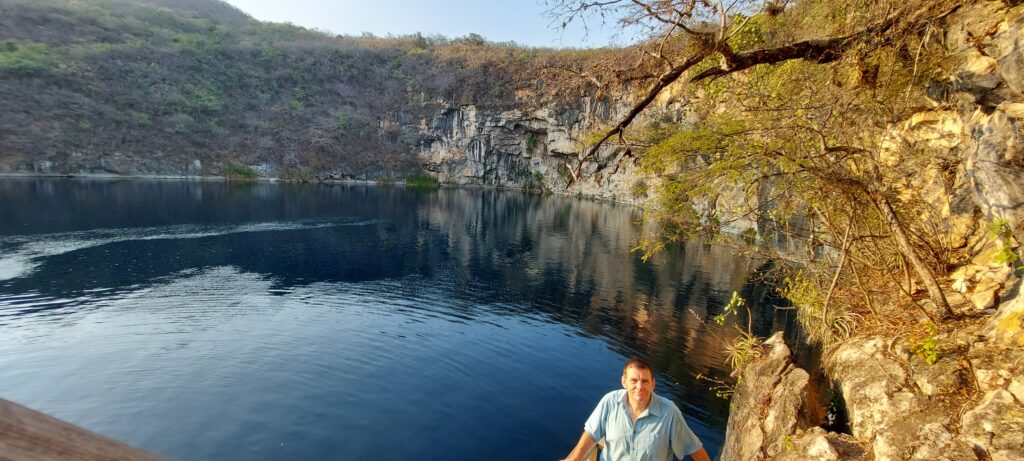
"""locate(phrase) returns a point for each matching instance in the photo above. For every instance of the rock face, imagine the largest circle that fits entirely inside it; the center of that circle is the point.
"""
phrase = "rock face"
(1007, 326)
(997, 426)
(996, 423)
(901, 409)
(532, 149)
(990, 90)
(771, 399)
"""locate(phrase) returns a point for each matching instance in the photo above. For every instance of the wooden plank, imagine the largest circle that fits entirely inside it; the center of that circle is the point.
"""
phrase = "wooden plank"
(26, 434)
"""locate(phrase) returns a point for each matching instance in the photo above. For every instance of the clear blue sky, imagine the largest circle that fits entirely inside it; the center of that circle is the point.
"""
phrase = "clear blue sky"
(521, 21)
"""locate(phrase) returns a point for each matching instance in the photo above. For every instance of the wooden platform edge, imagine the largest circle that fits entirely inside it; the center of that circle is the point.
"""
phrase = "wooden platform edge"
(26, 434)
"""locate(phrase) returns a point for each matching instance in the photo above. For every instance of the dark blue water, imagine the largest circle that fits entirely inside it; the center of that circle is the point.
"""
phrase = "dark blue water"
(214, 321)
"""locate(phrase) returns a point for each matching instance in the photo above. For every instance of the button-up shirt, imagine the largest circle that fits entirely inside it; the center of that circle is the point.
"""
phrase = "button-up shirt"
(659, 432)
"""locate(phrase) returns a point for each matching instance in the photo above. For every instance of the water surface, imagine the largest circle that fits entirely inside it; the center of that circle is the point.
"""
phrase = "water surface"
(214, 321)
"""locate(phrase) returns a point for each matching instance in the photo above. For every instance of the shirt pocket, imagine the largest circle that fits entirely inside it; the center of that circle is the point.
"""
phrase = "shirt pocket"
(649, 444)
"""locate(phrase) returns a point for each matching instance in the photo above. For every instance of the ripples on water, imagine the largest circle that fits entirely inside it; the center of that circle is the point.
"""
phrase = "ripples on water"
(211, 321)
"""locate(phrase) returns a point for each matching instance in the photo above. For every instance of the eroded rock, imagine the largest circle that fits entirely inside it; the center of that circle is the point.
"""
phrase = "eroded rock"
(902, 409)
(936, 442)
(1007, 326)
(818, 445)
(943, 377)
(772, 402)
(996, 366)
(997, 426)
(874, 384)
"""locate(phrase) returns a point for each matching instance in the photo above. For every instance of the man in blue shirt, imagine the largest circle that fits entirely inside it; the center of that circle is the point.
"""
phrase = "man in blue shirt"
(637, 424)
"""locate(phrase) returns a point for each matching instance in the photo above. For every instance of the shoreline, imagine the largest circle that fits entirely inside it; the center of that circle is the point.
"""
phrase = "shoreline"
(182, 178)
(111, 176)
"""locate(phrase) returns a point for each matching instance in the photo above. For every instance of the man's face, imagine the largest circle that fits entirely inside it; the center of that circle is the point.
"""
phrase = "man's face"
(639, 384)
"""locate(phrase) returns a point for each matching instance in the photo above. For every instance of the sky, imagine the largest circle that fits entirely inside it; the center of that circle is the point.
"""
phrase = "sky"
(521, 21)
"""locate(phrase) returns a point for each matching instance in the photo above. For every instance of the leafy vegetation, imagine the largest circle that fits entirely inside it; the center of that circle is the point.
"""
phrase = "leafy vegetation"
(531, 143)
(235, 172)
(927, 348)
(1002, 232)
(740, 351)
(422, 180)
(826, 326)
(25, 57)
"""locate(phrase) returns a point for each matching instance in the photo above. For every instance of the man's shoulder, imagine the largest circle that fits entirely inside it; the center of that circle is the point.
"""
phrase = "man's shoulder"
(614, 396)
(667, 405)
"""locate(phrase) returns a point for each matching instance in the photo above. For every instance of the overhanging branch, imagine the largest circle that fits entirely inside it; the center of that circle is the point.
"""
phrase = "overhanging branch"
(664, 81)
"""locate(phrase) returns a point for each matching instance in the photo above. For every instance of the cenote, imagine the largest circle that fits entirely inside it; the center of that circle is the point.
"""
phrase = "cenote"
(210, 321)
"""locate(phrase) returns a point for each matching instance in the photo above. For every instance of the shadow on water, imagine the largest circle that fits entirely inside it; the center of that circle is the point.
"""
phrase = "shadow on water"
(504, 258)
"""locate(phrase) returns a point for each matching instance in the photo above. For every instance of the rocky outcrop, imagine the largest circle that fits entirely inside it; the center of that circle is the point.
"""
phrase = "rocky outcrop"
(770, 405)
(967, 405)
(1007, 326)
(995, 424)
(901, 408)
(988, 88)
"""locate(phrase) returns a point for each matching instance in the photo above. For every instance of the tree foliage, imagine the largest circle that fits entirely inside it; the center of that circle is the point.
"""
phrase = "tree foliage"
(796, 108)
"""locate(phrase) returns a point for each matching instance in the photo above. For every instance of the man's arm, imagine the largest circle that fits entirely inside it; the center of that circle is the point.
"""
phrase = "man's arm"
(583, 447)
(700, 455)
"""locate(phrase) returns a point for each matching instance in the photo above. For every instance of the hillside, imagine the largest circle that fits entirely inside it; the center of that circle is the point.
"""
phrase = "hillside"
(190, 87)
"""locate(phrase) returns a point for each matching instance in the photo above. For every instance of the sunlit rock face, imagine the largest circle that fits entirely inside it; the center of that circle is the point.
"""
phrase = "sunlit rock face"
(769, 406)
(537, 149)
(988, 82)
(899, 406)
(989, 90)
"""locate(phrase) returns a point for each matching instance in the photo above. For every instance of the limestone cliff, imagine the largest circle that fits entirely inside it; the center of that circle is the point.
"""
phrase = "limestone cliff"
(529, 149)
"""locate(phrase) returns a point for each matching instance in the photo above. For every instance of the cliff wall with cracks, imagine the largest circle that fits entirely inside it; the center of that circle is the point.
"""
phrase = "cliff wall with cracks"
(535, 149)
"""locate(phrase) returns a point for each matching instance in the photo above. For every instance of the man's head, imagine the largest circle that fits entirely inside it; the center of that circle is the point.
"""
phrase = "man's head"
(638, 380)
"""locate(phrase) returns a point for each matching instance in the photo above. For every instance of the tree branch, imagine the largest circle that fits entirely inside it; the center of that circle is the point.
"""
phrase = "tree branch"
(664, 81)
(819, 51)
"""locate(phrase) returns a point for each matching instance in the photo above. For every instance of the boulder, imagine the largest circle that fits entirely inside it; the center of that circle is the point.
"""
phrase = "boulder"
(1007, 326)
(873, 382)
(935, 442)
(922, 431)
(995, 365)
(944, 377)
(996, 425)
(901, 409)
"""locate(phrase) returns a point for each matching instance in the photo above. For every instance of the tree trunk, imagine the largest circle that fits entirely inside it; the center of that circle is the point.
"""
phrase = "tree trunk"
(940, 310)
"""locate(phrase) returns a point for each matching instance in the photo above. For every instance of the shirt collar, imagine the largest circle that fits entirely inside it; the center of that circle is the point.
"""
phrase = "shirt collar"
(653, 408)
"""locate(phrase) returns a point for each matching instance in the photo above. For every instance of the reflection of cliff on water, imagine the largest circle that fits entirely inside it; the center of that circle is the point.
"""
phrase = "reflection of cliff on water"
(546, 257)
(571, 260)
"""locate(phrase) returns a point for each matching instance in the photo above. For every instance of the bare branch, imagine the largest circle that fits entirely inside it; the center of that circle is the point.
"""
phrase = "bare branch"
(584, 75)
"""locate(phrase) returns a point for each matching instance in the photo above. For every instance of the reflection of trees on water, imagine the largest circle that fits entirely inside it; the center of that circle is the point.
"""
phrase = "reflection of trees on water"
(546, 257)
(571, 260)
